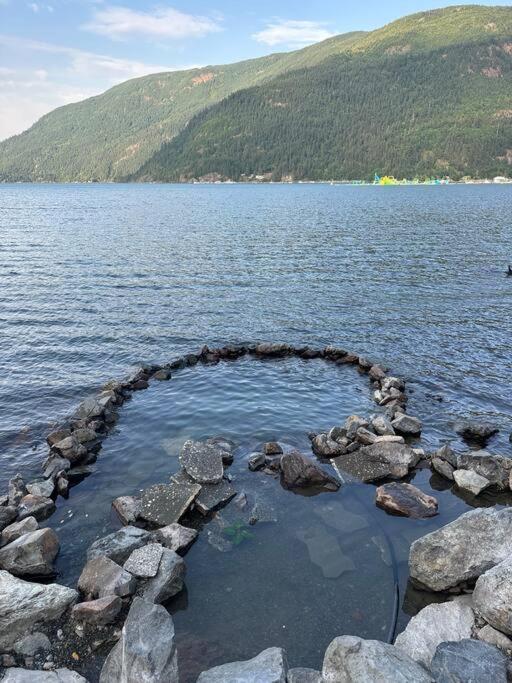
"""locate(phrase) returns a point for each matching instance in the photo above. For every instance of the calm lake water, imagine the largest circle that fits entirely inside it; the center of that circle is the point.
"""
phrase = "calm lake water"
(97, 278)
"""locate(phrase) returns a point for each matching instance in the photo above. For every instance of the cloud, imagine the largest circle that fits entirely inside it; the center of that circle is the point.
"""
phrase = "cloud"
(293, 33)
(121, 22)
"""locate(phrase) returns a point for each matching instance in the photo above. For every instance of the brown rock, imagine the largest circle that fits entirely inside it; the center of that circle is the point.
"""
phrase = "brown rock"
(98, 612)
(272, 448)
(405, 500)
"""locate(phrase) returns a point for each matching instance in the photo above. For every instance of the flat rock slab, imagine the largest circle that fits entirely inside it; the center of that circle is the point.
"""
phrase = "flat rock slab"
(378, 461)
(335, 515)
(165, 504)
(211, 496)
(120, 544)
(269, 666)
(144, 562)
(31, 554)
(469, 661)
(325, 551)
(202, 461)
(462, 550)
(405, 500)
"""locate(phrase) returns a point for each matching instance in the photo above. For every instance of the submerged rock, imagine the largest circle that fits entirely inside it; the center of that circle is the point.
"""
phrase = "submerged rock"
(146, 651)
(165, 504)
(256, 461)
(175, 537)
(25, 607)
(406, 500)
(31, 554)
(118, 545)
(128, 508)
(270, 666)
(469, 661)
(477, 432)
(379, 461)
(297, 471)
(493, 596)
(350, 659)
(102, 577)
(462, 550)
(325, 551)
(472, 482)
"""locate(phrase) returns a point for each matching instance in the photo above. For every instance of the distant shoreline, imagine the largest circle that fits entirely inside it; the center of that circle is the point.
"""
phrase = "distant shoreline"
(345, 183)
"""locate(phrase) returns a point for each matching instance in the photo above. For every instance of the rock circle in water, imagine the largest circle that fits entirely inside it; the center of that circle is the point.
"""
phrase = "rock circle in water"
(405, 500)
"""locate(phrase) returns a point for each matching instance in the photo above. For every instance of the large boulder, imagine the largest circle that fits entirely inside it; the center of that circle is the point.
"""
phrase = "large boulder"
(269, 666)
(16, 675)
(31, 554)
(406, 500)
(493, 596)
(433, 625)
(379, 461)
(297, 471)
(24, 607)
(146, 651)
(470, 481)
(102, 577)
(119, 545)
(203, 462)
(469, 661)
(18, 529)
(39, 507)
(495, 468)
(462, 550)
(168, 580)
(350, 659)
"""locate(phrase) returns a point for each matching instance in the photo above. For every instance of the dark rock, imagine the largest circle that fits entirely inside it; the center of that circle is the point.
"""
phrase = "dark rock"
(36, 506)
(382, 426)
(18, 529)
(405, 500)
(389, 383)
(16, 490)
(469, 661)
(144, 562)
(57, 435)
(495, 468)
(324, 447)
(378, 461)
(446, 453)
(85, 435)
(146, 652)
(7, 515)
(352, 424)
(407, 425)
(443, 468)
(202, 461)
(297, 471)
(476, 432)
(162, 375)
(273, 350)
(270, 666)
(377, 373)
(272, 448)
(256, 461)
(31, 554)
(76, 474)
(127, 508)
(98, 612)
(365, 437)
(140, 384)
(334, 352)
(62, 485)
(102, 577)
(348, 359)
(118, 545)
(364, 363)
(165, 504)
(71, 449)
(214, 496)
(54, 465)
(175, 537)
(226, 445)
(167, 582)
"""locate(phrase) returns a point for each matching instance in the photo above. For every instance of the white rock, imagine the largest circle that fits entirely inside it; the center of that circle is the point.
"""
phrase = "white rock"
(467, 480)
(269, 666)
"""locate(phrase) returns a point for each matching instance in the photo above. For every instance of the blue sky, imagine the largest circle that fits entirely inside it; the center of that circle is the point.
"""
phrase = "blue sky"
(53, 52)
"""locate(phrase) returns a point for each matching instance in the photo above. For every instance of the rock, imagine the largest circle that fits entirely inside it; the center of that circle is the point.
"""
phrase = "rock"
(325, 447)
(30, 645)
(219, 542)
(378, 461)
(493, 596)
(7, 515)
(442, 467)
(76, 474)
(365, 437)
(270, 666)
(352, 424)
(54, 465)
(127, 508)
(89, 409)
(494, 637)
(71, 449)
(16, 490)
(338, 434)
(301, 675)
(57, 435)
(468, 480)
(256, 461)
(18, 529)
(36, 506)
(377, 373)
(162, 375)
(168, 580)
(495, 468)
(203, 462)
(407, 425)
(24, 607)
(406, 500)
(118, 545)
(144, 562)
(350, 659)
(382, 426)
(447, 454)
(273, 350)
(214, 496)
(165, 504)
(146, 651)
(469, 661)
(325, 551)
(476, 432)
(297, 471)
(102, 577)
(433, 625)
(43, 488)
(462, 550)
(31, 554)
(84, 435)
(389, 383)
(272, 448)
(175, 537)
(16, 675)
(98, 612)
(390, 438)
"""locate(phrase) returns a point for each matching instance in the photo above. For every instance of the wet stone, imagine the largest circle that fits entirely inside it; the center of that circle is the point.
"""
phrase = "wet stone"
(167, 582)
(43, 488)
(98, 612)
(8, 514)
(165, 504)
(32, 554)
(102, 577)
(256, 461)
(202, 461)
(469, 661)
(127, 508)
(405, 500)
(272, 448)
(443, 468)
(36, 506)
(175, 537)
(470, 481)
(407, 425)
(144, 562)
(378, 461)
(119, 545)
(18, 529)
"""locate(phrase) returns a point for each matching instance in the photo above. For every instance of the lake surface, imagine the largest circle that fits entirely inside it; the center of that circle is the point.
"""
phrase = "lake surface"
(97, 278)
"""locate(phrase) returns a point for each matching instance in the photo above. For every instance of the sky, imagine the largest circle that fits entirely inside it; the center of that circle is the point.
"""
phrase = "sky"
(54, 52)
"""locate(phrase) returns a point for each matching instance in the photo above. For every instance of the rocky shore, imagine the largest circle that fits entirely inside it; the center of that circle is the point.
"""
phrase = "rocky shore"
(117, 605)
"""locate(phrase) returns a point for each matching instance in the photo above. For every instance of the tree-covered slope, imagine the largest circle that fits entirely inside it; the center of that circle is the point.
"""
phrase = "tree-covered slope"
(111, 135)
(429, 94)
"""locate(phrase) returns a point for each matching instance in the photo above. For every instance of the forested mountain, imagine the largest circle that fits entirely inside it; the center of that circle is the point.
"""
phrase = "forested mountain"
(430, 94)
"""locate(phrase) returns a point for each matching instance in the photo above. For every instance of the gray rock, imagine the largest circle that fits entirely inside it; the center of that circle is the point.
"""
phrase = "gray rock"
(146, 651)
(494, 637)
(214, 496)
(389, 383)
(493, 596)
(54, 465)
(443, 468)
(477, 432)
(31, 554)
(377, 373)
(175, 537)
(297, 471)
(390, 438)
(43, 488)
(127, 508)
(8, 514)
(98, 612)
(118, 545)
(16, 490)
(102, 577)
(168, 580)
(144, 562)
(407, 425)
(470, 481)
(382, 426)
(405, 500)
(71, 449)
(25, 607)
(325, 551)
(165, 504)
(273, 350)
(256, 461)
(495, 468)
(202, 461)
(352, 424)
(269, 666)
(469, 661)
(16, 675)
(325, 447)
(301, 675)
(433, 625)
(18, 529)
(378, 461)
(162, 375)
(57, 435)
(29, 645)
(350, 659)
(88, 409)
(447, 454)
(365, 437)
(35, 506)
(462, 550)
